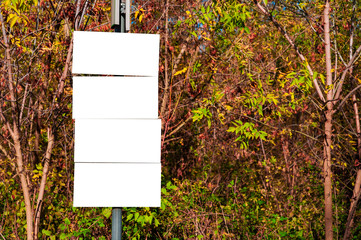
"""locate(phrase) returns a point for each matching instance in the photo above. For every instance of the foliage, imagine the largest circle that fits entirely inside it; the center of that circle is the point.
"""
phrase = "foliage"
(243, 130)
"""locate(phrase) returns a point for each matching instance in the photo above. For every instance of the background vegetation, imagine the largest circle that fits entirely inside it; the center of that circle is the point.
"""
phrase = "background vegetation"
(260, 126)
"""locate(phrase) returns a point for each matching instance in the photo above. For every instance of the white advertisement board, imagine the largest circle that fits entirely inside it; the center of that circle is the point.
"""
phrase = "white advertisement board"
(117, 133)
(108, 53)
(115, 97)
(117, 140)
(117, 184)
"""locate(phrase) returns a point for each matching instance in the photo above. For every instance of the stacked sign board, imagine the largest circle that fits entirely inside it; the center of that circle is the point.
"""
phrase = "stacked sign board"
(117, 130)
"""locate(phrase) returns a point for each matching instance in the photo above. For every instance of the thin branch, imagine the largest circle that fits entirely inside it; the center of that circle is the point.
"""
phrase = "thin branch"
(2, 236)
(16, 136)
(166, 77)
(292, 43)
(347, 96)
(76, 25)
(83, 12)
(43, 180)
(23, 104)
(352, 211)
(179, 127)
(5, 152)
(343, 76)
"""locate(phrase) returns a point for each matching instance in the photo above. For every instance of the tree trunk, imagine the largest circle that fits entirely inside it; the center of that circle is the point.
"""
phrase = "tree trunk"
(328, 128)
(327, 176)
(24, 185)
(43, 182)
(15, 134)
(356, 190)
(166, 77)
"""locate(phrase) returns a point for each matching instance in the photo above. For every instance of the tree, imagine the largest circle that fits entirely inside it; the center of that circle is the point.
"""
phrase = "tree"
(332, 88)
(36, 93)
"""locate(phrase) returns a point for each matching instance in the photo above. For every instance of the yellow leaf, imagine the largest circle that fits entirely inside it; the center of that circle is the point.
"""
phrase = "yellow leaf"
(12, 19)
(229, 108)
(219, 11)
(141, 17)
(208, 39)
(136, 14)
(181, 71)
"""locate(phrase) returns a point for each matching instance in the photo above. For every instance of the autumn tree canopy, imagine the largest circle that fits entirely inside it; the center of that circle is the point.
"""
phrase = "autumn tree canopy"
(259, 104)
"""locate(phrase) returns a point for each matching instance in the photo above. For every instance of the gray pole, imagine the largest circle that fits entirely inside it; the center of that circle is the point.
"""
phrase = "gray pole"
(122, 16)
(117, 211)
(119, 13)
(116, 223)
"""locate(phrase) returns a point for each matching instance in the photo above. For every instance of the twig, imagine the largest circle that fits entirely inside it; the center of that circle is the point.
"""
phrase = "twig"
(179, 126)
(348, 67)
(2, 236)
(347, 96)
(23, 103)
(292, 43)
(351, 214)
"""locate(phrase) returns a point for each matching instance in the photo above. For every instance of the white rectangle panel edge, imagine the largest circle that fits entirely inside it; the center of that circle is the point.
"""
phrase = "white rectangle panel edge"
(117, 185)
(117, 140)
(115, 97)
(109, 53)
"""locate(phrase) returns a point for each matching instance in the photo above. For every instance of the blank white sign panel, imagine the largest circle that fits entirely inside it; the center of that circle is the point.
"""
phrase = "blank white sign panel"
(110, 53)
(117, 140)
(115, 97)
(117, 185)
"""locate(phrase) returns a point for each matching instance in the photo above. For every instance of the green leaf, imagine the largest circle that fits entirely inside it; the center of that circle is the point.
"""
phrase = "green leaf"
(156, 222)
(106, 212)
(46, 232)
(315, 76)
(129, 217)
(62, 227)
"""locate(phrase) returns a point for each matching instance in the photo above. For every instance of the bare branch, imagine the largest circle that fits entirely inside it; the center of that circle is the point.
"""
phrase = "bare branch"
(47, 157)
(15, 134)
(343, 76)
(166, 77)
(291, 42)
(5, 152)
(347, 96)
(23, 104)
(351, 214)
(179, 127)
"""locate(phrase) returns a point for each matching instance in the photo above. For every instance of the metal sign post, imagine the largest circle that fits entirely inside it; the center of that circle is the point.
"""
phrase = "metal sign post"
(109, 170)
(120, 15)
(116, 223)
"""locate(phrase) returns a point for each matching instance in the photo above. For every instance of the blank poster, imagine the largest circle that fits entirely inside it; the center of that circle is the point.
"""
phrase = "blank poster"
(117, 140)
(115, 97)
(109, 53)
(117, 185)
